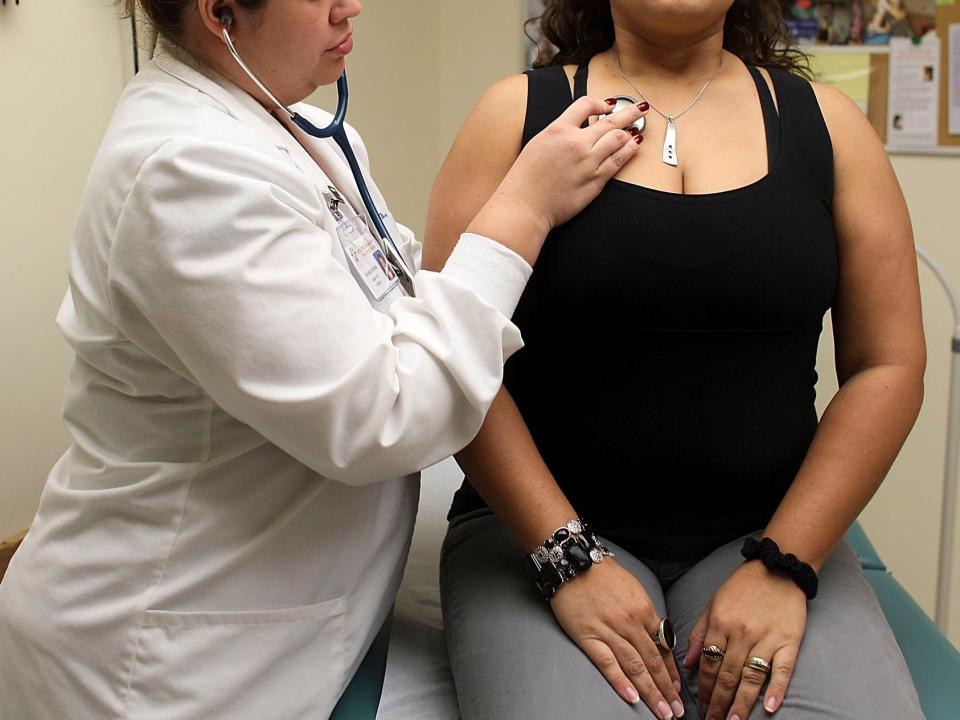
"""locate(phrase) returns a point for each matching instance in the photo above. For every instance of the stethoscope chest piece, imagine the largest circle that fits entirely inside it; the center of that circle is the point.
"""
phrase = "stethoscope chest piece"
(625, 101)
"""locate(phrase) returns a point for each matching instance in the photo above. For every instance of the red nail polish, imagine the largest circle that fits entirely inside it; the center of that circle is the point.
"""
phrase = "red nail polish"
(638, 139)
(644, 106)
(610, 101)
(633, 131)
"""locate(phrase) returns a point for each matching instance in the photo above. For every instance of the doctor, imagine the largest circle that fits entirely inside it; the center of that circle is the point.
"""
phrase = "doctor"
(251, 401)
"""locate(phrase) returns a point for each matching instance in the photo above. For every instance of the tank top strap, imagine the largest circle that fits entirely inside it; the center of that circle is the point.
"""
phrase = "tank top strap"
(580, 86)
(805, 141)
(548, 95)
(771, 118)
(580, 81)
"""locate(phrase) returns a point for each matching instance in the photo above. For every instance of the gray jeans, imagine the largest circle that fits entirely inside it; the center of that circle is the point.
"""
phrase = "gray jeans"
(511, 660)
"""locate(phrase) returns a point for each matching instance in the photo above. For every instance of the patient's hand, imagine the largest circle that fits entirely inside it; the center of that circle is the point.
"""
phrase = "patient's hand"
(755, 613)
(609, 615)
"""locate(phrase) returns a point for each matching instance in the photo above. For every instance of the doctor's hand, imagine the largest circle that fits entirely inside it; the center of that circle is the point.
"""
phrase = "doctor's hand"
(557, 174)
(562, 169)
(609, 615)
(755, 613)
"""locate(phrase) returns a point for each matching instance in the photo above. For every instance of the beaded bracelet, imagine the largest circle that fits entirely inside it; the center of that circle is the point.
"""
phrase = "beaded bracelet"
(768, 552)
(570, 550)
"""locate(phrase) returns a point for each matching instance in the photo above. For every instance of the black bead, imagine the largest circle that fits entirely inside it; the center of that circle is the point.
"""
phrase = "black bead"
(550, 575)
(578, 557)
(548, 543)
(584, 542)
(561, 535)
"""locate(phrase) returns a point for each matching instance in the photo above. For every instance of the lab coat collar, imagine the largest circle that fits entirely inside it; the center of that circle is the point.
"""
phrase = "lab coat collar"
(325, 163)
(326, 166)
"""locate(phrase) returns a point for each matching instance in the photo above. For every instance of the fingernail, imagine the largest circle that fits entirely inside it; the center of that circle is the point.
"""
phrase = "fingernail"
(638, 139)
(632, 695)
(676, 685)
(633, 131)
(664, 710)
(770, 705)
(642, 107)
(610, 101)
(734, 717)
(677, 708)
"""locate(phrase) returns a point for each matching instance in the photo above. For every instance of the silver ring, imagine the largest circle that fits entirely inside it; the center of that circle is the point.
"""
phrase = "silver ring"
(758, 663)
(664, 638)
(713, 653)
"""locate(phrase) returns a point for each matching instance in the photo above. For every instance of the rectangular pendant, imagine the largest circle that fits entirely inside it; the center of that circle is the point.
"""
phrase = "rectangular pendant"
(670, 143)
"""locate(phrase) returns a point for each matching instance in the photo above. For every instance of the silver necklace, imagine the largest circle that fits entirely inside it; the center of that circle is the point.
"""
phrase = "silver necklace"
(670, 136)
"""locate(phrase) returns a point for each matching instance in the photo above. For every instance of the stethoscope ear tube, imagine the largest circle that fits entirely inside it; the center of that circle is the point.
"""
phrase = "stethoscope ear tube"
(336, 125)
(337, 131)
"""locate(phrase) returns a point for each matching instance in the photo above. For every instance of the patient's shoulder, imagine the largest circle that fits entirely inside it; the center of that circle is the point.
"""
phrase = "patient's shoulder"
(497, 118)
(511, 89)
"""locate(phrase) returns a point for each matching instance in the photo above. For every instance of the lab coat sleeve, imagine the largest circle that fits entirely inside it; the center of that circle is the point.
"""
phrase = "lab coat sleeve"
(220, 270)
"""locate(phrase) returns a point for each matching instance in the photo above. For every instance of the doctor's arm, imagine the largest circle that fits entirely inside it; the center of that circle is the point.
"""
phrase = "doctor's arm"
(222, 270)
(880, 360)
(605, 611)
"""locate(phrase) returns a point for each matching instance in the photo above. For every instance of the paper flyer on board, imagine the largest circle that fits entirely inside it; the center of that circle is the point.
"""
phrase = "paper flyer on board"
(953, 80)
(913, 110)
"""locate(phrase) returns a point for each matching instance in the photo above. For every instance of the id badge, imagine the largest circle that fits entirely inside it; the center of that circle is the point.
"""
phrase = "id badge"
(366, 257)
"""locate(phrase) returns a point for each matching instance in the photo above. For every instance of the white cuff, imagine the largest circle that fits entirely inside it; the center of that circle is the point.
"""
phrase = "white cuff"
(493, 271)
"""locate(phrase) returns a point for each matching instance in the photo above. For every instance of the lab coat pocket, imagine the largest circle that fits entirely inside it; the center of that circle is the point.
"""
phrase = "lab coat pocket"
(286, 664)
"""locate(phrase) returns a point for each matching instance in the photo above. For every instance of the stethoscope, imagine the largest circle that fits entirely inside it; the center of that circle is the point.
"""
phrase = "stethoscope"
(336, 131)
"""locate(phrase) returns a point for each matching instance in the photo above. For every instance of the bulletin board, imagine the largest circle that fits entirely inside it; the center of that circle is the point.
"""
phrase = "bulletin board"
(863, 72)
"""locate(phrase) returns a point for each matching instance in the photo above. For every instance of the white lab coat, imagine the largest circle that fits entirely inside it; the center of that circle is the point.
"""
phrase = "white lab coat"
(226, 533)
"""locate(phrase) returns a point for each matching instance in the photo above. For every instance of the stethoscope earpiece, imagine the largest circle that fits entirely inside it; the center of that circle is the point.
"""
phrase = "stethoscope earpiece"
(225, 16)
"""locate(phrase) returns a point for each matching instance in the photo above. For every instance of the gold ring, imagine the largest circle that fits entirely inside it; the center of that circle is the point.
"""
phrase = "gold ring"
(758, 663)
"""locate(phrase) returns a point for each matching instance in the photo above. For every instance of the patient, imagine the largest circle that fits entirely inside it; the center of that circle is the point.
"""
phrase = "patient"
(666, 390)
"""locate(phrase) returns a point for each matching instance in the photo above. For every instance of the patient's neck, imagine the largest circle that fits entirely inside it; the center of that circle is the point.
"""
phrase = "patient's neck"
(659, 60)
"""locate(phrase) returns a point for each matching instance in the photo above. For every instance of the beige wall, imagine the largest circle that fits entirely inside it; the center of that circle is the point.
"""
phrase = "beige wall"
(62, 66)
(417, 69)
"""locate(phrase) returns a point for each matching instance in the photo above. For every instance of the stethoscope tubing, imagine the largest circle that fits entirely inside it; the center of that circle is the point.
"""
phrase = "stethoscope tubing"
(337, 131)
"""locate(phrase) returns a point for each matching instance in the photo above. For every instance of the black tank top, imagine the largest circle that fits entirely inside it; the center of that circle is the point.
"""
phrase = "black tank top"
(669, 367)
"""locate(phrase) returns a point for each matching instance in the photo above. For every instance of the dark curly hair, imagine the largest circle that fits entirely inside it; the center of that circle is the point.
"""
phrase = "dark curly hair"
(754, 31)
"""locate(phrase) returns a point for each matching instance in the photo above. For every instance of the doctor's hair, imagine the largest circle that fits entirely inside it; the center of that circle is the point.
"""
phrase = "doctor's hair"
(166, 16)
(753, 30)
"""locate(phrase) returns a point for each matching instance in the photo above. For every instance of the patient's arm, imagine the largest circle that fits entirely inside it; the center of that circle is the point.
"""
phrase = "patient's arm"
(606, 611)
(503, 463)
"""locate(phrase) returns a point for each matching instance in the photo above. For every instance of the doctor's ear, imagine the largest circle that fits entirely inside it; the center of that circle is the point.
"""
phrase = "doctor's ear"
(219, 15)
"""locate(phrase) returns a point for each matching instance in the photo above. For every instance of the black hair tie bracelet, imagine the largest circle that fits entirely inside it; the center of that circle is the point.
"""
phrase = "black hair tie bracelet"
(768, 552)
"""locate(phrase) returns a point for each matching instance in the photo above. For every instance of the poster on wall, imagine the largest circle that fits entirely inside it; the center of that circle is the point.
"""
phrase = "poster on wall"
(913, 96)
(848, 72)
(953, 86)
